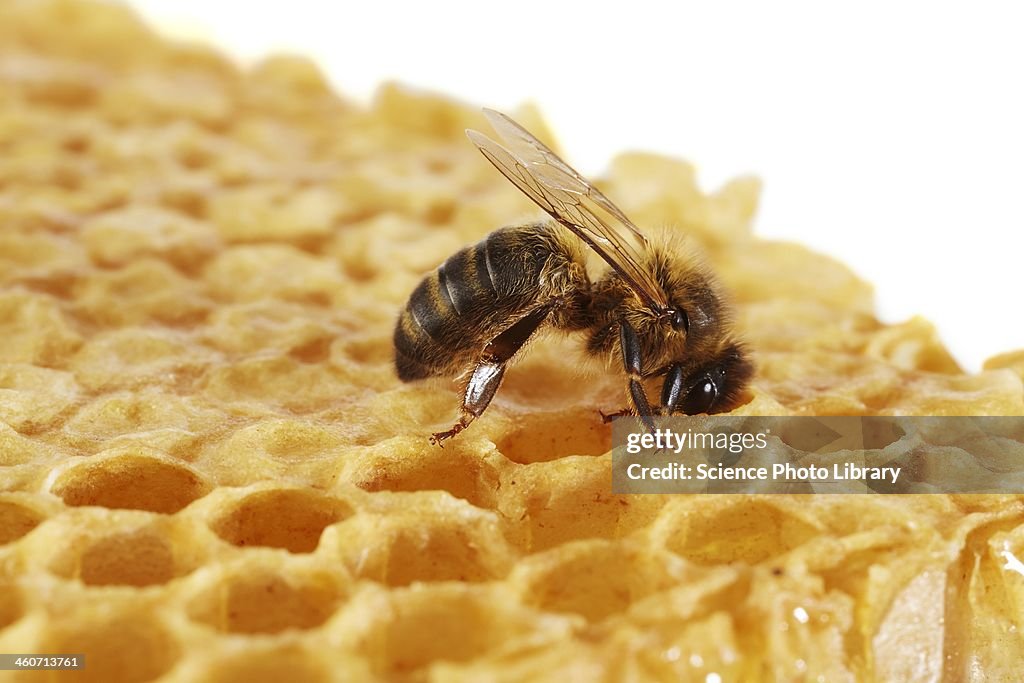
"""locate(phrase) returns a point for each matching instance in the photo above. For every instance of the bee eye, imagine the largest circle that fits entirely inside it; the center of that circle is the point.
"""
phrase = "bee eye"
(701, 397)
(680, 321)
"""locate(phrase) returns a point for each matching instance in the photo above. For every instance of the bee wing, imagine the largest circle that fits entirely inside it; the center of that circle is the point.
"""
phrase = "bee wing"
(532, 150)
(558, 189)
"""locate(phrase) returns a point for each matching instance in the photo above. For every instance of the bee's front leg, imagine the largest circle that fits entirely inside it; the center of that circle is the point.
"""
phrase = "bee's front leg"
(632, 360)
(672, 389)
(489, 370)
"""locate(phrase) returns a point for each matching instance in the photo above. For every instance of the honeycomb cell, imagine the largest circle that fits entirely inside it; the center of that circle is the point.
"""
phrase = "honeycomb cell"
(464, 622)
(16, 449)
(248, 455)
(315, 351)
(140, 558)
(568, 500)
(289, 439)
(133, 356)
(427, 538)
(549, 436)
(913, 345)
(86, 547)
(280, 381)
(259, 598)
(251, 327)
(32, 252)
(188, 194)
(251, 273)
(142, 411)
(58, 83)
(17, 519)
(367, 349)
(259, 213)
(152, 98)
(292, 519)
(33, 398)
(130, 481)
(35, 330)
(597, 579)
(403, 465)
(119, 647)
(146, 291)
(123, 235)
(734, 530)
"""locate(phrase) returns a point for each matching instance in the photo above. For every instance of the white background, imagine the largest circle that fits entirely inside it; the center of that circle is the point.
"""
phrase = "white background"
(889, 134)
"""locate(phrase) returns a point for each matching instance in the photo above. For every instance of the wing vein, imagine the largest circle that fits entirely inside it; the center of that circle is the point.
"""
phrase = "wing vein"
(571, 200)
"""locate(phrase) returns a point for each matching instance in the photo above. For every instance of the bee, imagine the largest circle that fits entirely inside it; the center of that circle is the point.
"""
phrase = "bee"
(658, 310)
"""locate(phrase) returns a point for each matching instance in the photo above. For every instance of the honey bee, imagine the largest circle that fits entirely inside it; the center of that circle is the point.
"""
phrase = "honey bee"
(659, 311)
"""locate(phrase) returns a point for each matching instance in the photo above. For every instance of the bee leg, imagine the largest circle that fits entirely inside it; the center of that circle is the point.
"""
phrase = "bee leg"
(672, 389)
(486, 377)
(633, 361)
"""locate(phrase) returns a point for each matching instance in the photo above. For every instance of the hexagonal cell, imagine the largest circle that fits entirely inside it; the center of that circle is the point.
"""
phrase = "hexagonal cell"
(118, 648)
(120, 236)
(148, 409)
(17, 519)
(281, 381)
(123, 548)
(35, 397)
(544, 436)
(403, 464)
(293, 440)
(257, 598)
(598, 578)
(247, 328)
(291, 518)
(313, 352)
(414, 542)
(34, 329)
(272, 271)
(132, 559)
(464, 623)
(146, 290)
(16, 449)
(725, 531)
(130, 481)
(569, 499)
(133, 356)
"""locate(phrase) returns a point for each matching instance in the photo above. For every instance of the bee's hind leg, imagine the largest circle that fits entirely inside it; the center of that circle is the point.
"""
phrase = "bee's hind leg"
(489, 370)
(482, 386)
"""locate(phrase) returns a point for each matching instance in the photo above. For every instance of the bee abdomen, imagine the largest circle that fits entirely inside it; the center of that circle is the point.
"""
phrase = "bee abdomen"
(452, 312)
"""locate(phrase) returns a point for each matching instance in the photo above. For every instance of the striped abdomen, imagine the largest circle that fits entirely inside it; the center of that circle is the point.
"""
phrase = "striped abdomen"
(471, 298)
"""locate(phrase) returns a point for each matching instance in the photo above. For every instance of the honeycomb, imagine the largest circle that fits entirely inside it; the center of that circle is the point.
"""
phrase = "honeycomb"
(210, 472)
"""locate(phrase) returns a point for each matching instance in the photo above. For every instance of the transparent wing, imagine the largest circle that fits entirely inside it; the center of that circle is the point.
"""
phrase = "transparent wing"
(558, 189)
(533, 151)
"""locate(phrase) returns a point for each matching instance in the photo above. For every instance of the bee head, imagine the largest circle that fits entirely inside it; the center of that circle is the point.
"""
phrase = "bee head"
(709, 386)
